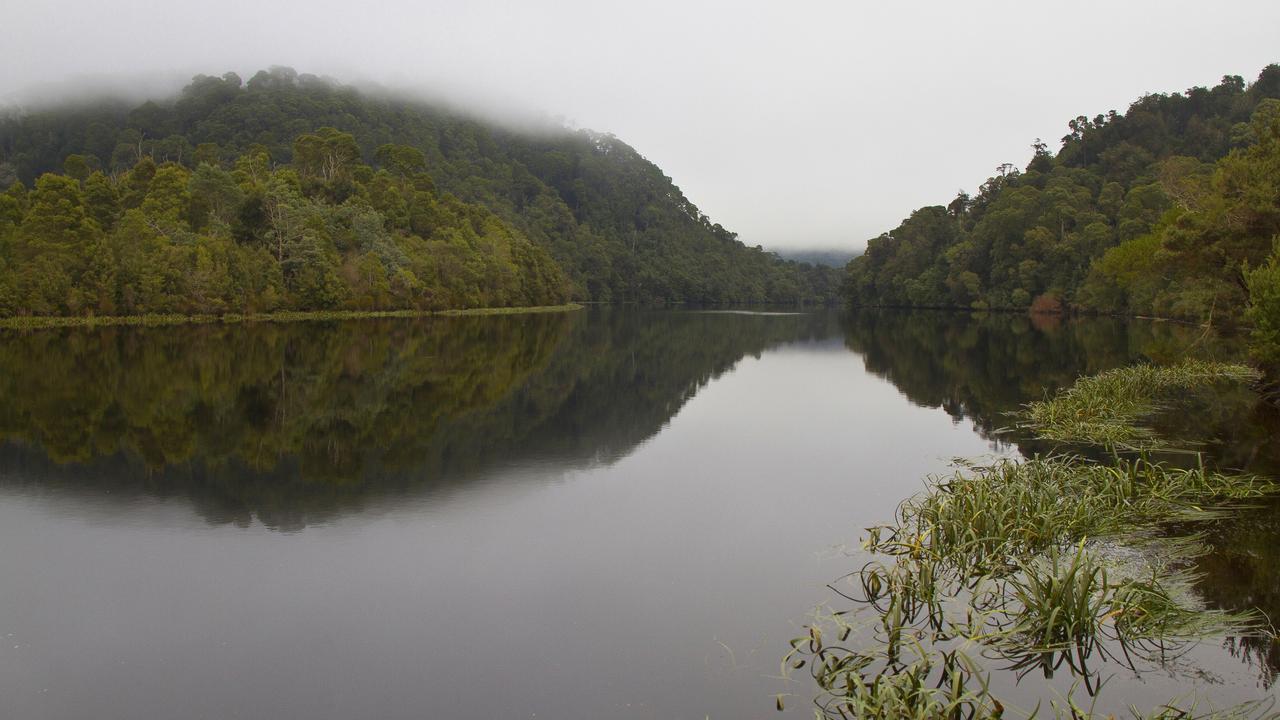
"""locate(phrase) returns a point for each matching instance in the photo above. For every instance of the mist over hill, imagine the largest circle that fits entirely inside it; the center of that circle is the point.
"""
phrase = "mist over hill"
(616, 227)
(820, 256)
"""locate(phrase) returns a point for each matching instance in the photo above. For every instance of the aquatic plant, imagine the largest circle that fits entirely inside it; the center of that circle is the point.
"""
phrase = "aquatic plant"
(1105, 409)
(980, 518)
(1054, 561)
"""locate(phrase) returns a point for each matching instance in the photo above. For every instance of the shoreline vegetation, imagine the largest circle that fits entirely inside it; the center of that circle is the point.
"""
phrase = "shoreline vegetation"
(1064, 562)
(157, 320)
(1062, 312)
(1168, 211)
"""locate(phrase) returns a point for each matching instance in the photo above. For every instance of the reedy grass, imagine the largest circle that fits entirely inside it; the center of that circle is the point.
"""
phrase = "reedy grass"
(1105, 409)
(1053, 560)
(1072, 606)
(977, 520)
(927, 651)
(1061, 603)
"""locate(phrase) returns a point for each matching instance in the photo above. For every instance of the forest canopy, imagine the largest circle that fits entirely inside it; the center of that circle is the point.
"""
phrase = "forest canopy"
(293, 192)
(324, 232)
(1171, 209)
(1063, 231)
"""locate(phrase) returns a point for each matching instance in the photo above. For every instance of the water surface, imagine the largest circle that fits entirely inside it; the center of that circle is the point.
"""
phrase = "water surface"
(611, 513)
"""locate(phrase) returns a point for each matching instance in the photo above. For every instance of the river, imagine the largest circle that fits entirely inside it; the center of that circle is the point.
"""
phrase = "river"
(610, 513)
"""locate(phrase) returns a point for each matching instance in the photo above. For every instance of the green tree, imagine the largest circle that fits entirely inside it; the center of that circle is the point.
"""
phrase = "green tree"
(215, 196)
(101, 200)
(328, 154)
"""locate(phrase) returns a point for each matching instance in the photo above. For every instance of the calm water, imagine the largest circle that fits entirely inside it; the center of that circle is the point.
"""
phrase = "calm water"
(603, 514)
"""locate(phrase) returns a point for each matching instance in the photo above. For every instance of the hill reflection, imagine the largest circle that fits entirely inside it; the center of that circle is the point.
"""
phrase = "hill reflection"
(984, 367)
(293, 423)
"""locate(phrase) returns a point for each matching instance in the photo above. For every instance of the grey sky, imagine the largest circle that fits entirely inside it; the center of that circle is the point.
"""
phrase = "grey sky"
(797, 124)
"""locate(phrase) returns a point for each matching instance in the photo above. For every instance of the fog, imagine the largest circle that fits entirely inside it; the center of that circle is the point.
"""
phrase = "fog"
(798, 124)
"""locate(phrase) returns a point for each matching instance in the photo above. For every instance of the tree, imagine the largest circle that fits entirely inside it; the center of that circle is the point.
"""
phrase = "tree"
(401, 160)
(328, 154)
(1264, 311)
(215, 194)
(101, 201)
(167, 203)
(56, 222)
(77, 166)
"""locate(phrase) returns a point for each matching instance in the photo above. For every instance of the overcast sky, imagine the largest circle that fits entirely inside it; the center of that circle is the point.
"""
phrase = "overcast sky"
(797, 124)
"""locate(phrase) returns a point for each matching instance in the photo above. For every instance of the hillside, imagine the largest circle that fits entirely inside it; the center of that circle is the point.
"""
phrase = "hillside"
(611, 222)
(1161, 210)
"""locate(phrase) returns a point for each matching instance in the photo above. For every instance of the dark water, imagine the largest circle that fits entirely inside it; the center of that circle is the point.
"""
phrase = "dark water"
(610, 513)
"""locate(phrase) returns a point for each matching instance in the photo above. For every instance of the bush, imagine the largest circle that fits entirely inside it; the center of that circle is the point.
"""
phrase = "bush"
(1264, 313)
(1047, 303)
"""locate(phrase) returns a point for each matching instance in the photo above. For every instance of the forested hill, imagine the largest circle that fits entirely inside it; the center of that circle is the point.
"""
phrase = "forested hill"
(1168, 209)
(617, 227)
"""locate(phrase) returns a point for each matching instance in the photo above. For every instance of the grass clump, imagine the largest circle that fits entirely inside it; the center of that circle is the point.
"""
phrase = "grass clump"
(1105, 409)
(1074, 605)
(1061, 603)
(980, 520)
(928, 687)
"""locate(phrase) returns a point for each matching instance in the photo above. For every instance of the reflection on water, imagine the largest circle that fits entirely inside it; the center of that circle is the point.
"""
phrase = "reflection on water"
(986, 366)
(290, 423)
(584, 514)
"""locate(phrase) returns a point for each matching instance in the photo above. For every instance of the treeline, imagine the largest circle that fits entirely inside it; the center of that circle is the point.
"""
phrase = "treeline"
(1168, 210)
(326, 231)
(618, 228)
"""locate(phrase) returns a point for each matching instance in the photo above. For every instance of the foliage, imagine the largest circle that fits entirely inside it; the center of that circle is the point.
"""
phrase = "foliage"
(327, 233)
(616, 225)
(1195, 263)
(1264, 310)
(1156, 211)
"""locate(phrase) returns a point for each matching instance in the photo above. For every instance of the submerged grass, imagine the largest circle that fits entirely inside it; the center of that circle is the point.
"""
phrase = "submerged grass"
(42, 322)
(976, 520)
(1105, 409)
(1049, 563)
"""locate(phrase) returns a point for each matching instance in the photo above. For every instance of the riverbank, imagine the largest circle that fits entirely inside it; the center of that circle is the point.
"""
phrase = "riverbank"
(1238, 323)
(44, 322)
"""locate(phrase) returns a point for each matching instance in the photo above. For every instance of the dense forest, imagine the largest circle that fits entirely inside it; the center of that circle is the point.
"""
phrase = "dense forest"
(1171, 209)
(290, 191)
(324, 232)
